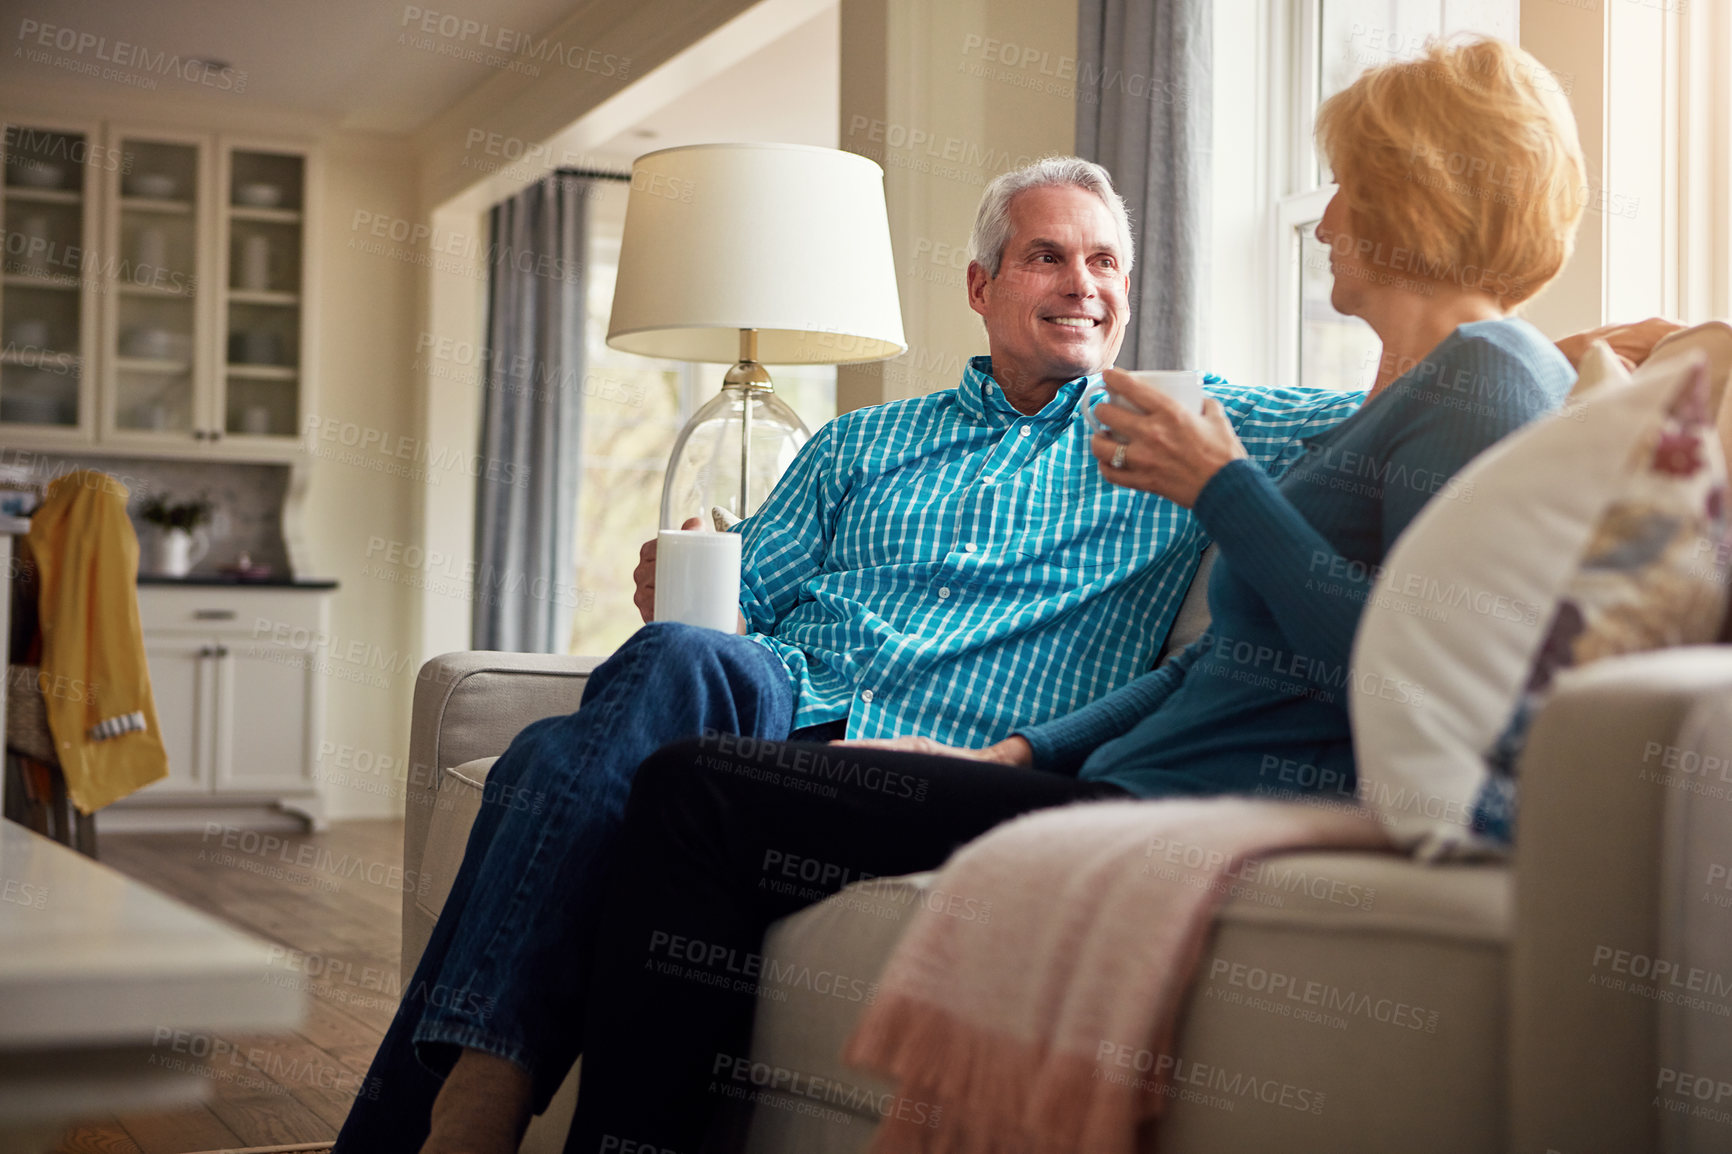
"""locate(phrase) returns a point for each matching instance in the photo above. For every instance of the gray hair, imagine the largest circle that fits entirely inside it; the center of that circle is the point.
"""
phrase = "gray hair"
(992, 221)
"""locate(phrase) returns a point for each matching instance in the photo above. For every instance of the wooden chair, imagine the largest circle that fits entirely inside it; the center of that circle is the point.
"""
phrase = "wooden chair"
(35, 787)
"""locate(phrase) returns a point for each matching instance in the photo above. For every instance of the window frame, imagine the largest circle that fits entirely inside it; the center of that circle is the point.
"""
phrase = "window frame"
(1303, 184)
(1690, 142)
(1296, 63)
(1291, 213)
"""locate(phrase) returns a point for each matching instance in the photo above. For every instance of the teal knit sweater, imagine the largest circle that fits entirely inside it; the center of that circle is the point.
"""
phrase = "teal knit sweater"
(1259, 703)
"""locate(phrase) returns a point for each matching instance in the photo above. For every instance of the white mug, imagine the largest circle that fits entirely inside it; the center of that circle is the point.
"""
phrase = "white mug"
(1183, 385)
(698, 578)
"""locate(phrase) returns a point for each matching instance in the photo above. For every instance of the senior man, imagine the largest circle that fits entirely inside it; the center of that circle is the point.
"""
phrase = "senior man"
(951, 566)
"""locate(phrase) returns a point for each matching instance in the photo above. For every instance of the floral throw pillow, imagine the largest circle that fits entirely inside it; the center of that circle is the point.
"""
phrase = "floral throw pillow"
(1652, 576)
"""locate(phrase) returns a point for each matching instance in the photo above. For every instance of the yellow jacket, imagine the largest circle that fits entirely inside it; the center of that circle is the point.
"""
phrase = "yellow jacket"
(94, 677)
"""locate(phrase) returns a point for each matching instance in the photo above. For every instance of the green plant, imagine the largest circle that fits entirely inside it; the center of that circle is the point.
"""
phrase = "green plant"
(161, 510)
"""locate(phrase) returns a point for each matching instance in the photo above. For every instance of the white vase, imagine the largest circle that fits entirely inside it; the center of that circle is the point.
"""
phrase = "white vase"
(33, 245)
(256, 264)
(150, 254)
(174, 551)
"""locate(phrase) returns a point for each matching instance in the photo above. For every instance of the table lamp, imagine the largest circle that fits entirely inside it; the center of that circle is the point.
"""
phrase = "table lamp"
(747, 254)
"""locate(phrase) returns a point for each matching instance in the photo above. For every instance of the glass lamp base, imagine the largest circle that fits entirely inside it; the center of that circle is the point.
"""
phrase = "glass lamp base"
(742, 432)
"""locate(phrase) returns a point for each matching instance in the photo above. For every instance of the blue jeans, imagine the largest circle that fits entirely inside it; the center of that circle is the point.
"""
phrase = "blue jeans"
(506, 969)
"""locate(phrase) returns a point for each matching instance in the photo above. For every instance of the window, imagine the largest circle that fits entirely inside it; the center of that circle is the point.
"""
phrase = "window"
(633, 410)
(1331, 42)
(1335, 351)
(630, 419)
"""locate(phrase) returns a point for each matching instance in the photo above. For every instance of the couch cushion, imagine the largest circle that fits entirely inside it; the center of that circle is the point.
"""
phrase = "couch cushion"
(460, 790)
(1192, 619)
(1324, 970)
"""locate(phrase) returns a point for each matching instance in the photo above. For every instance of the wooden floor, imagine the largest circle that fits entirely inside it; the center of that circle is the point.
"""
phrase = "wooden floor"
(337, 905)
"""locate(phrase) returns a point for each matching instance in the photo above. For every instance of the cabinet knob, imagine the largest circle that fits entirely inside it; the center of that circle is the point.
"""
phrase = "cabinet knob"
(222, 651)
(207, 651)
(216, 434)
(198, 434)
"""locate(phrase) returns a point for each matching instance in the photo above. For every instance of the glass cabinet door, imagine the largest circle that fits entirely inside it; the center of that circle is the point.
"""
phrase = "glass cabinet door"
(153, 278)
(264, 207)
(46, 285)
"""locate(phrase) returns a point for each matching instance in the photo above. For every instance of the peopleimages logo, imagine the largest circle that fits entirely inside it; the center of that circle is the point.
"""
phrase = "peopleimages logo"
(1279, 987)
(66, 264)
(1169, 1075)
(516, 50)
(725, 967)
(87, 52)
(320, 859)
(32, 148)
(806, 1088)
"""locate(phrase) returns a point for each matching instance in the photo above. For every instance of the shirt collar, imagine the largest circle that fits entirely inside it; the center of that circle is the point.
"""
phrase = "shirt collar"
(981, 398)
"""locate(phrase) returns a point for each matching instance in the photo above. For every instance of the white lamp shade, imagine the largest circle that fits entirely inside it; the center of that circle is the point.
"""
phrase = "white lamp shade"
(787, 239)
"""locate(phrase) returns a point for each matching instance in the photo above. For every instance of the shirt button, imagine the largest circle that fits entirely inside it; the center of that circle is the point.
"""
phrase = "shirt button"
(1025, 430)
(968, 548)
(943, 592)
(866, 696)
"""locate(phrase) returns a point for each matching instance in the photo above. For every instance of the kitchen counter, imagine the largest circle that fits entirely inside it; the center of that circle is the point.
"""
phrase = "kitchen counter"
(226, 581)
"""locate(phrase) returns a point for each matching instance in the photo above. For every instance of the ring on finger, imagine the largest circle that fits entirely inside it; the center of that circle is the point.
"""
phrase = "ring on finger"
(1118, 461)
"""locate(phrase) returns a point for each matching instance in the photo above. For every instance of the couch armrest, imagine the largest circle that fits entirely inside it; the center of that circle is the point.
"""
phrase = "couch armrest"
(1590, 875)
(470, 705)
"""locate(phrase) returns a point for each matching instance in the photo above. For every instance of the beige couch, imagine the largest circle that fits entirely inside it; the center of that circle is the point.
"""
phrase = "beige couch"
(1347, 1002)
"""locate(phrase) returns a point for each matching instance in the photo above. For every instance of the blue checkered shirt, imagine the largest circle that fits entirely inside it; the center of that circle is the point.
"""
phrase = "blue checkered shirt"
(948, 567)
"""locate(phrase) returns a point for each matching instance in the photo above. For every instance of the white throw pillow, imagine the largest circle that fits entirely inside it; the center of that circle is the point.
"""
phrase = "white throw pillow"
(1713, 340)
(1600, 366)
(1596, 530)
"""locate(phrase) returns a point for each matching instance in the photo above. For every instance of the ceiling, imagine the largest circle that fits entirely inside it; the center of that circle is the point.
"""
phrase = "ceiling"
(363, 65)
(787, 91)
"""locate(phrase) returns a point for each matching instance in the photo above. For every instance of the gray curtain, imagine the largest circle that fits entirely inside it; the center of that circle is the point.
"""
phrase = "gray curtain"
(1143, 111)
(531, 406)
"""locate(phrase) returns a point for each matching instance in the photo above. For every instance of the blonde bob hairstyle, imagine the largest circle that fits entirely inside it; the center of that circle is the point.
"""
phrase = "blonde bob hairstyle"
(1459, 167)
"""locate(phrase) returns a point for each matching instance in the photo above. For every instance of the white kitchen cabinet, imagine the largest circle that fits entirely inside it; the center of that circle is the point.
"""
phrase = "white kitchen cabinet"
(49, 194)
(158, 340)
(264, 206)
(264, 717)
(205, 345)
(241, 711)
(180, 682)
(156, 304)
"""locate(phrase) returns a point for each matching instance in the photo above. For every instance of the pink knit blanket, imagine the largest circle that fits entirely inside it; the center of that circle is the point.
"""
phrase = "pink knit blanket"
(1041, 1028)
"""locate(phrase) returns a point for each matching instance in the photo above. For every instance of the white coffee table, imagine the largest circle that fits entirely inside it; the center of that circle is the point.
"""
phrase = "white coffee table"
(106, 987)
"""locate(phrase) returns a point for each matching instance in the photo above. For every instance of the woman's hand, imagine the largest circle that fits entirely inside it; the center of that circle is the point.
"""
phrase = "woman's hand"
(1010, 751)
(1168, 451)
